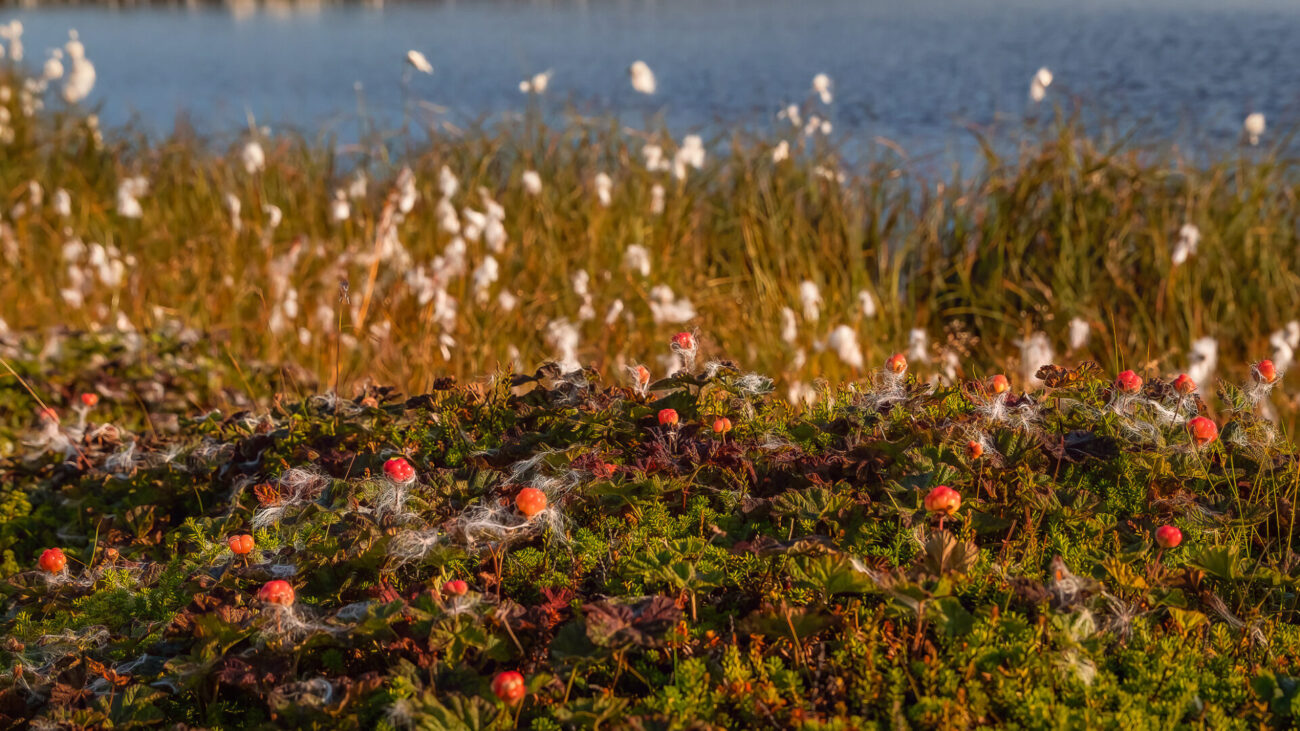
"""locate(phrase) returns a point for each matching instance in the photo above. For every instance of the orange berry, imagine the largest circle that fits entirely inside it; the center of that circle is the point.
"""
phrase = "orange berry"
(89, 398)
(668, 417)
(1203, 430)
(974, 449)
(455, 587)
(943, 499)
(509, 687)
(896, 363)
(241, 544)
(1264, 371)
(399, 470)
(1184, 384)
(1168, 536)
(52, 560)
(721, 425)
(1129, 382)
(276, 592)
(999, 384)
(530, 501)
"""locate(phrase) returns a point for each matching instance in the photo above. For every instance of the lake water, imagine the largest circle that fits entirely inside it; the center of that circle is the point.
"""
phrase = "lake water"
(915, 72)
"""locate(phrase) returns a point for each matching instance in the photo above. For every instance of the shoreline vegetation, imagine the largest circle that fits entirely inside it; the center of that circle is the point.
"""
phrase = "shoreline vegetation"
(414, 255)
(275, 449)
(508, 245)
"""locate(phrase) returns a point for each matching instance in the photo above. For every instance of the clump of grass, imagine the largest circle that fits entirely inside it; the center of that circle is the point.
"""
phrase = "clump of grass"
(409, 259)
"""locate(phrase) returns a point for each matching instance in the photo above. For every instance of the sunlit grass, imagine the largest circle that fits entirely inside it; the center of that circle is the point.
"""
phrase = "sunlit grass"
(1066, 226)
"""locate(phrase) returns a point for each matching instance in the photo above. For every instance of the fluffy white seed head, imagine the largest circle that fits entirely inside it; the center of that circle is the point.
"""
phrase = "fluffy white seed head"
(1254, 127)
(643, 79)
(419, 62)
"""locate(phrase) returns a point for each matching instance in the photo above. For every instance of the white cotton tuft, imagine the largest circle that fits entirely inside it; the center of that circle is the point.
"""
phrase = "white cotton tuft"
(637, 259)
(1038, 85)
(789, 326)
(1202, 361)
(604, 189)
(867, 303)
(1079, 332)
(918, 349)
(419, 62)
(1189, 237)
(643, 79)
(253, 157)
(532, 182)
(1254, 127)
(1035, 352)
(821, 84)
(811, 300)
(844, 341)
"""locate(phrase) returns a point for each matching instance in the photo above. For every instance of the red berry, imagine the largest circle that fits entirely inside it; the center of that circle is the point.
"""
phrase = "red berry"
(896, 363)
(241, 544)
(52, 560)
(642, 376)
(943, 499)
(974, 449)
(1264, 371)
(668, 417)
(1203, 430)
(1129, 382)
(1168, 536)
(48, 414)
(530, 501)
(1184, 384)
(999, 384)
(276, 592)
(455, 587)
(399, 470)
(509, 687)
(721, 425)
(684, 341)
(89, 398)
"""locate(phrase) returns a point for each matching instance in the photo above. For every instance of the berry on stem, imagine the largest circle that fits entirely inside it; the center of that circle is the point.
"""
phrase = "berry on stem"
(241, 544)
(1128, 382)
(399, 470)
(897, 363)
(943, 499)
(52, 560)
(668, 417)
(276, 592)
